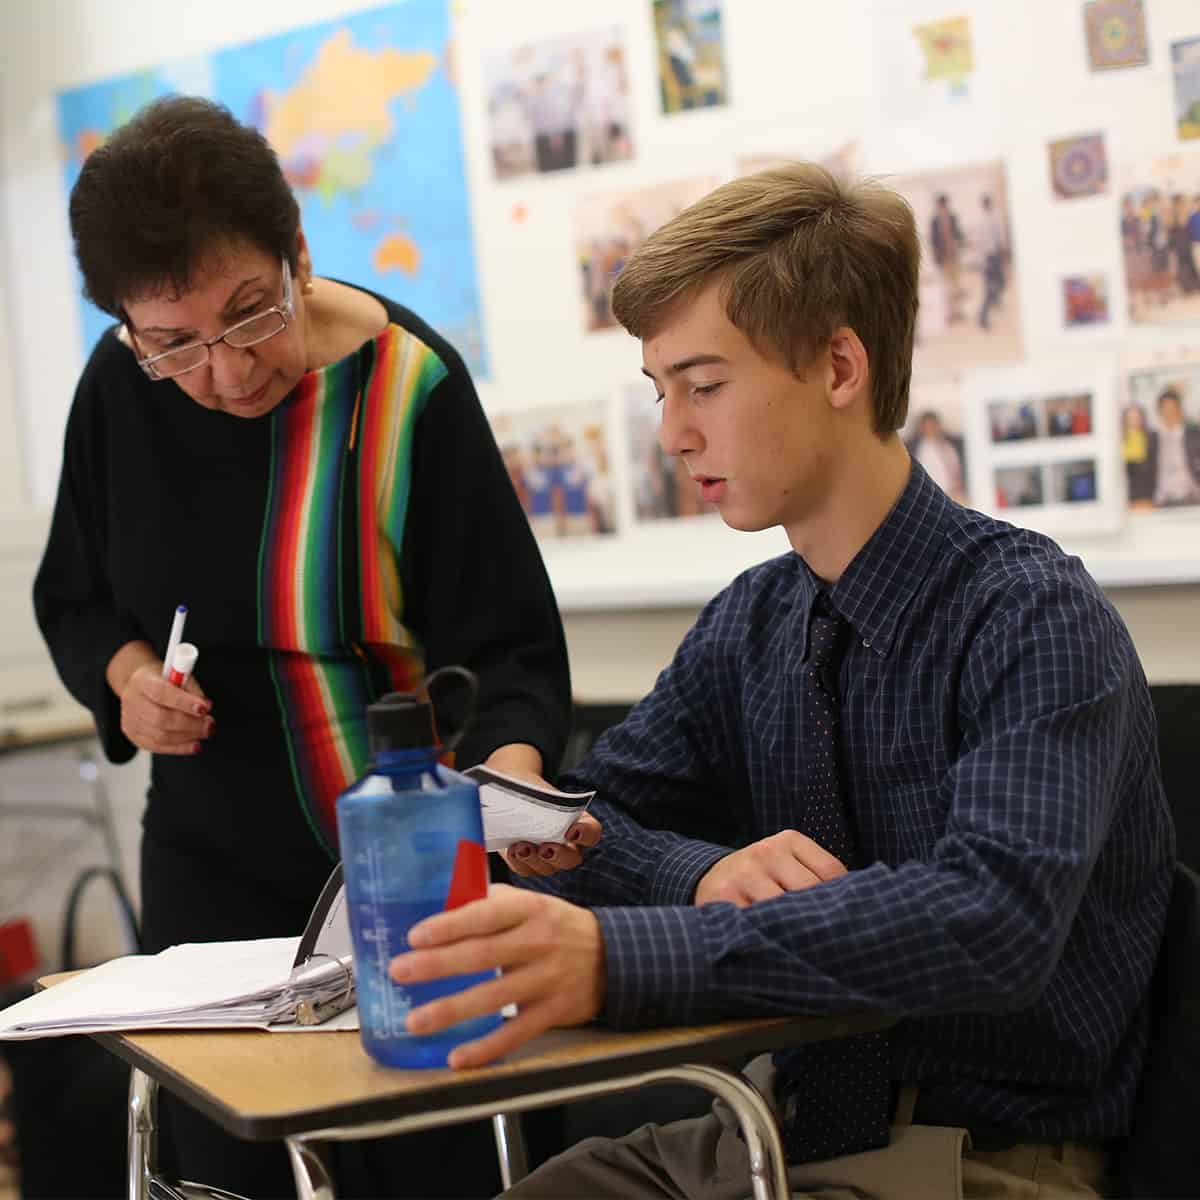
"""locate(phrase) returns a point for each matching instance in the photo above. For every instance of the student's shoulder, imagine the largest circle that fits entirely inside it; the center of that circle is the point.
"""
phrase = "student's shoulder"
(1009, 575)
(754, 596)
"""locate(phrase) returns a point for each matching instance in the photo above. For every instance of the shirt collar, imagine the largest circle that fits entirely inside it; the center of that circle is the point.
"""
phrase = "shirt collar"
(877, 587)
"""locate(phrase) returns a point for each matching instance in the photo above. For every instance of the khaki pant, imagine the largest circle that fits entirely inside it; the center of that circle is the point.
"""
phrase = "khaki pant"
(705, 1159)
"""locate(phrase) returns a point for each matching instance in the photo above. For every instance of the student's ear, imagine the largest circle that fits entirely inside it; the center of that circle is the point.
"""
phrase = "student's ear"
(849, 368)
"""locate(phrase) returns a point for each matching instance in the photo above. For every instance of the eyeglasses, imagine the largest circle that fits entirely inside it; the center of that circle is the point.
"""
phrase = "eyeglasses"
(241, 336)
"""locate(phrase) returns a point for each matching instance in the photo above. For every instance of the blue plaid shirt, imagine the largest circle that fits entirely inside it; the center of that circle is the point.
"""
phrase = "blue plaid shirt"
(998, 763)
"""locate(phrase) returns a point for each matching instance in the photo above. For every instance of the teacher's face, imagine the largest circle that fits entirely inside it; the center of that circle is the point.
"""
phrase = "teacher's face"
(230, 284)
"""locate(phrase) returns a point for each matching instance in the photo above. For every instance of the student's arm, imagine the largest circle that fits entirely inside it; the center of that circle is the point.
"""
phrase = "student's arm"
(475, 589)
(72, 594)
(1048, 697)
(669, 792)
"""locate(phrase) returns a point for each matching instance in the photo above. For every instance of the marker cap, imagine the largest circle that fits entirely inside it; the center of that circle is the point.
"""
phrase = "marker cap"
(184, 662)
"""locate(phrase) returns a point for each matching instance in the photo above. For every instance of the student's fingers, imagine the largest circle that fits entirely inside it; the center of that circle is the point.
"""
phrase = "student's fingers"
(811, 855)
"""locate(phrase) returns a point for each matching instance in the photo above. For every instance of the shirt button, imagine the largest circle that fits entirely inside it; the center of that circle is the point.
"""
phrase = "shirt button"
(867, 643)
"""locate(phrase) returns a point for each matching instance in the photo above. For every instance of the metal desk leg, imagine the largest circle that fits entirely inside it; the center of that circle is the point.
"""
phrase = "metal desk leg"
(312, 1179)
(510, 1148)
(768, 1170)
(143, 1147)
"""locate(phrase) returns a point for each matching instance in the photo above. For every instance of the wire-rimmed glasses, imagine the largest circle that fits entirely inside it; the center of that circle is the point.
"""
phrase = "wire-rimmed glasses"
(251, 331)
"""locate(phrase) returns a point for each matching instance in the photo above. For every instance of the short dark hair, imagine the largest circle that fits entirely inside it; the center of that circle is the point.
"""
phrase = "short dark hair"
(179, 179)
(1169, 393)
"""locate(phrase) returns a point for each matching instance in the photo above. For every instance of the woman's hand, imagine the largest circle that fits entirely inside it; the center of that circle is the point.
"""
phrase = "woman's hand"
(156, 715)
(522, 761)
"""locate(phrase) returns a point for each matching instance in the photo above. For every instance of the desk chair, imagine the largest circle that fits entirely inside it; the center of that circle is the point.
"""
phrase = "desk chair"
(1161, 1157)
(1177, 710)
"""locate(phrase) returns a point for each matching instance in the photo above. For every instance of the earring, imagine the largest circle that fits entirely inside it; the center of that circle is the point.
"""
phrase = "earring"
(306, 288)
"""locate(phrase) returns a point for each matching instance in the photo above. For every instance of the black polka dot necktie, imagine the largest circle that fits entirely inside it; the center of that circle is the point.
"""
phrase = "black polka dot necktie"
(834, 1097)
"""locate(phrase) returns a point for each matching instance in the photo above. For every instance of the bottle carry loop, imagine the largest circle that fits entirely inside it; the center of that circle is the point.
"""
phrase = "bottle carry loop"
(472, 683)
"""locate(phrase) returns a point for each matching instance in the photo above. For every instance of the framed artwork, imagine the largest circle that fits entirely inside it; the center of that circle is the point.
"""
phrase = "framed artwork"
(1041, 441)
(1116, 34)
(691, 54)
(560, 464)
(558, 104)
(1160, 238)
(1160, 431)
(970, 311)
(1078, 166)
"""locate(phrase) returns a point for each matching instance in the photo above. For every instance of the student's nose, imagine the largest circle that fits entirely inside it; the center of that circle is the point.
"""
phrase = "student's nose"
(677, 432)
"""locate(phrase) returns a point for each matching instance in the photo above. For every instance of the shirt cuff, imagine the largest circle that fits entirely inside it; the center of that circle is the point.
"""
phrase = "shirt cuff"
(682, 865)
(657, 967)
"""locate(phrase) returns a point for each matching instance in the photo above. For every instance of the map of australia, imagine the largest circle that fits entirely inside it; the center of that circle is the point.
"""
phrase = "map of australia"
(364, 116)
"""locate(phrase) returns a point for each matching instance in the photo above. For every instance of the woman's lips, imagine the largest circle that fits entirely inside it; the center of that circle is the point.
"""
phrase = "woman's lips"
(252, 399)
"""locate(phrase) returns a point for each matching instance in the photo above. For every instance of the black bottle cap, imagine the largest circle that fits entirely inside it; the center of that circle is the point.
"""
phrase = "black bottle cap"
(400, 721)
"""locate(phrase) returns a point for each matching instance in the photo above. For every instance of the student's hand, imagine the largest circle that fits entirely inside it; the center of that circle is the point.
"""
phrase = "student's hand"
(784, 862)
(547, 858)
(551, 954)
(156, 715)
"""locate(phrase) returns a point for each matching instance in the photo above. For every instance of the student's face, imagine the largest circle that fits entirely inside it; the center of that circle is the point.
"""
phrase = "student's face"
(229, 285)
(754, 436)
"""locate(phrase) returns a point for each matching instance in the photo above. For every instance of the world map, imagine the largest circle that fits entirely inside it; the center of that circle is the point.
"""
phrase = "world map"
(364, 115)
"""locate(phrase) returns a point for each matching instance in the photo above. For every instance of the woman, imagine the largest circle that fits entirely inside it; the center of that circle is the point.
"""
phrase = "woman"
(307, 466)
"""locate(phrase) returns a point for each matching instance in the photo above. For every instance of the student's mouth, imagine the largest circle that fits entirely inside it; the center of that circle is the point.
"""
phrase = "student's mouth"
(712, 488)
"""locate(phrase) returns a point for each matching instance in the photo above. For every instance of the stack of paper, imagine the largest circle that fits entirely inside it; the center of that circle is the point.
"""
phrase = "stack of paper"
(213, 985)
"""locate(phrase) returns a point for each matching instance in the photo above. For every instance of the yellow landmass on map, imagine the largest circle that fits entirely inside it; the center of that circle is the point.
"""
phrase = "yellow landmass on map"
(346, 90)
(397, 252)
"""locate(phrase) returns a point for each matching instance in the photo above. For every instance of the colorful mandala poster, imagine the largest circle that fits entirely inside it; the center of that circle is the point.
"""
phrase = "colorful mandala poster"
(1116, 34)
(1078, 166)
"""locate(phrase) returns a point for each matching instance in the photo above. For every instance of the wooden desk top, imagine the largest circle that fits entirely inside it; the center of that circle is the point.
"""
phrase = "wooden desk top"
(269, 1085)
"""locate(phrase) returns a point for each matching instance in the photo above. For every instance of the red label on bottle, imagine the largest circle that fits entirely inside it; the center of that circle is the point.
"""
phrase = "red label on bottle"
(469, 879)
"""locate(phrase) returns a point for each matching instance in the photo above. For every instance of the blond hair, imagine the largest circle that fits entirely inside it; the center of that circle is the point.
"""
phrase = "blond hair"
(799, 253)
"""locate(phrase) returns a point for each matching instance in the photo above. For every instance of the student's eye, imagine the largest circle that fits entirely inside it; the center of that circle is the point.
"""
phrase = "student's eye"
(248, 311)
(707, 389)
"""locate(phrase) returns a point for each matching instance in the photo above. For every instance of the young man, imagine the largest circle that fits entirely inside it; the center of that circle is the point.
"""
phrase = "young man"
(994, 762)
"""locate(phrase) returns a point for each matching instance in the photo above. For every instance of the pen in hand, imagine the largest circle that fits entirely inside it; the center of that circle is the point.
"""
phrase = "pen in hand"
(174, 639)
(183, 664)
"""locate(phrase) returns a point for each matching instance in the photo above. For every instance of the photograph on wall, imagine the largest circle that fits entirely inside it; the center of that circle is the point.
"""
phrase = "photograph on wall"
(364, 113)
(843, 160)
(1078, 166)
(1160, 238)
(1160, 434)
(691, 54)
(1042, 444)
(934, 435)
(945, 47)
(559, 462)
(608, 228)
(661, 485)
(1116, 34)
(558, 104)
(1185, 66)
(1084, 300)
(970, 309)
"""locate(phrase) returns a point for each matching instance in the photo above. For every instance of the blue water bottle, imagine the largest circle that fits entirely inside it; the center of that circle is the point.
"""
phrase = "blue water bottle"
(412, 845)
